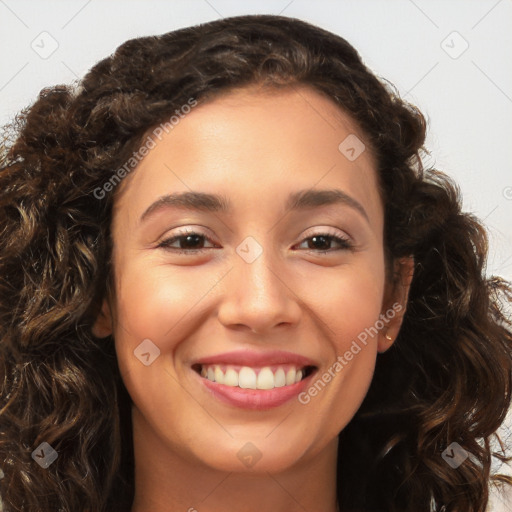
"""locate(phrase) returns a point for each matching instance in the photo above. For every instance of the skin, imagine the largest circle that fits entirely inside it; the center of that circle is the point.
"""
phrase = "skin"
(255, 147)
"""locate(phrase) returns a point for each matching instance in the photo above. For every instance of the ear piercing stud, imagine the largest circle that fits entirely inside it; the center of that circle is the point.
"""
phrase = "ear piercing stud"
(388, 337)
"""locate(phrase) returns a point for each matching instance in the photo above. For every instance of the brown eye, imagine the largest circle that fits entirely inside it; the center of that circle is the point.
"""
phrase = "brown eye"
(322, 241)
(186, 242)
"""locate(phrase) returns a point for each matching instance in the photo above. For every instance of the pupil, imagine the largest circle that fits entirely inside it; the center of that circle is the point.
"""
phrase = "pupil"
(323, 240)
(187, 239)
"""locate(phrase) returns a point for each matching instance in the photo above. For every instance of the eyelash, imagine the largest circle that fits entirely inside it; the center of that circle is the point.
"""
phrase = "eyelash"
(345, 243)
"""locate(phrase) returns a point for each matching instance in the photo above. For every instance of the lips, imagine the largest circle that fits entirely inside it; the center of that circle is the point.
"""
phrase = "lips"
(256, 359)
(254, 370)
(255, 380)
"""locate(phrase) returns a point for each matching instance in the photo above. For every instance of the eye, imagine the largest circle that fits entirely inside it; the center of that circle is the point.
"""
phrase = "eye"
(193, 242)
(188, 242)
(320, 242)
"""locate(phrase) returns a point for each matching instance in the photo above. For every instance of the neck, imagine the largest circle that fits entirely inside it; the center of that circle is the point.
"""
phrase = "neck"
(167, 481)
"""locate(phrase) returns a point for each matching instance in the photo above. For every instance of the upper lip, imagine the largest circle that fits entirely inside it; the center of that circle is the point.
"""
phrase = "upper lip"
(253, 358)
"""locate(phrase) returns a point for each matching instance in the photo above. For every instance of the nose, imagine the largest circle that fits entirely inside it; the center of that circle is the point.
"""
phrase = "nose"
(258, 296)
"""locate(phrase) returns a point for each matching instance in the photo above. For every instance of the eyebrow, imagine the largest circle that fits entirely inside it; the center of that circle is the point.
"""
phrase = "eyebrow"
(300, 200)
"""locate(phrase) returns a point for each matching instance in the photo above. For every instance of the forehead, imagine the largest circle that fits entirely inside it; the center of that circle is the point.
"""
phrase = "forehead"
(261, 141)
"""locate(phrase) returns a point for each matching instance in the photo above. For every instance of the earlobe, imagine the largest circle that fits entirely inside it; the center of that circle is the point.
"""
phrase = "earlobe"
(396, 303)
(386, 340)
(103, 324)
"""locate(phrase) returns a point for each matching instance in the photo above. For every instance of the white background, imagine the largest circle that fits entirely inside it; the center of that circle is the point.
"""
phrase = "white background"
(467, 99)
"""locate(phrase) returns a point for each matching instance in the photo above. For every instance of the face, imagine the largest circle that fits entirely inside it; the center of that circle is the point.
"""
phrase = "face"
(274, 283)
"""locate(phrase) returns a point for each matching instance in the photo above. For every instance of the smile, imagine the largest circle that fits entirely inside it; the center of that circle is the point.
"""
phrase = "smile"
(264, 386)
(246, 377)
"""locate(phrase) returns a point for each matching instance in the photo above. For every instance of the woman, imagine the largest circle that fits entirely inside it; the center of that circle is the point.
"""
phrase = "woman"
(229, 284)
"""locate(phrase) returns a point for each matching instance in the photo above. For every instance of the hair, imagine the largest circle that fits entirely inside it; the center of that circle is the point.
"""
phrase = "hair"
(447, 377)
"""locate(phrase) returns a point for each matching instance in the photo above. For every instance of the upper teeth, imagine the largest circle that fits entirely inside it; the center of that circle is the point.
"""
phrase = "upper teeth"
(249, 378)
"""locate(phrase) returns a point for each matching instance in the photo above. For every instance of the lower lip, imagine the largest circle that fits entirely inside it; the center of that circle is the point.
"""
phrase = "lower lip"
(255, 399)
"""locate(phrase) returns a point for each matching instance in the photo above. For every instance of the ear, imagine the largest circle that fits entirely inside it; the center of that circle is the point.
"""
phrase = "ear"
(103, 324)
(395, 302)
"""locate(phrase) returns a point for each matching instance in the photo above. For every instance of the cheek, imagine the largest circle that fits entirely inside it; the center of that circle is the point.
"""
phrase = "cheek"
(351, 302)
(356, 322)
(349, 299)
(357, 307)
(163, 305)
(154, 302)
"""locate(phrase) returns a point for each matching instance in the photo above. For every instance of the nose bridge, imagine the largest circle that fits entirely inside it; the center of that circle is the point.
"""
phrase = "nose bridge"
(257, 272)
(256, 293)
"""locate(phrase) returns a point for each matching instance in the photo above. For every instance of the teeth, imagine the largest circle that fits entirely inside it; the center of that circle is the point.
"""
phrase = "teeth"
(279, 378)
(231, 378)
(219, 376)
(247, 378)
(265, 379)
(290, 376)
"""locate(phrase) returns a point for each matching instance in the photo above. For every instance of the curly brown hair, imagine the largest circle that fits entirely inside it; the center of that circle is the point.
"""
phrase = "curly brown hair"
(446, 378)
